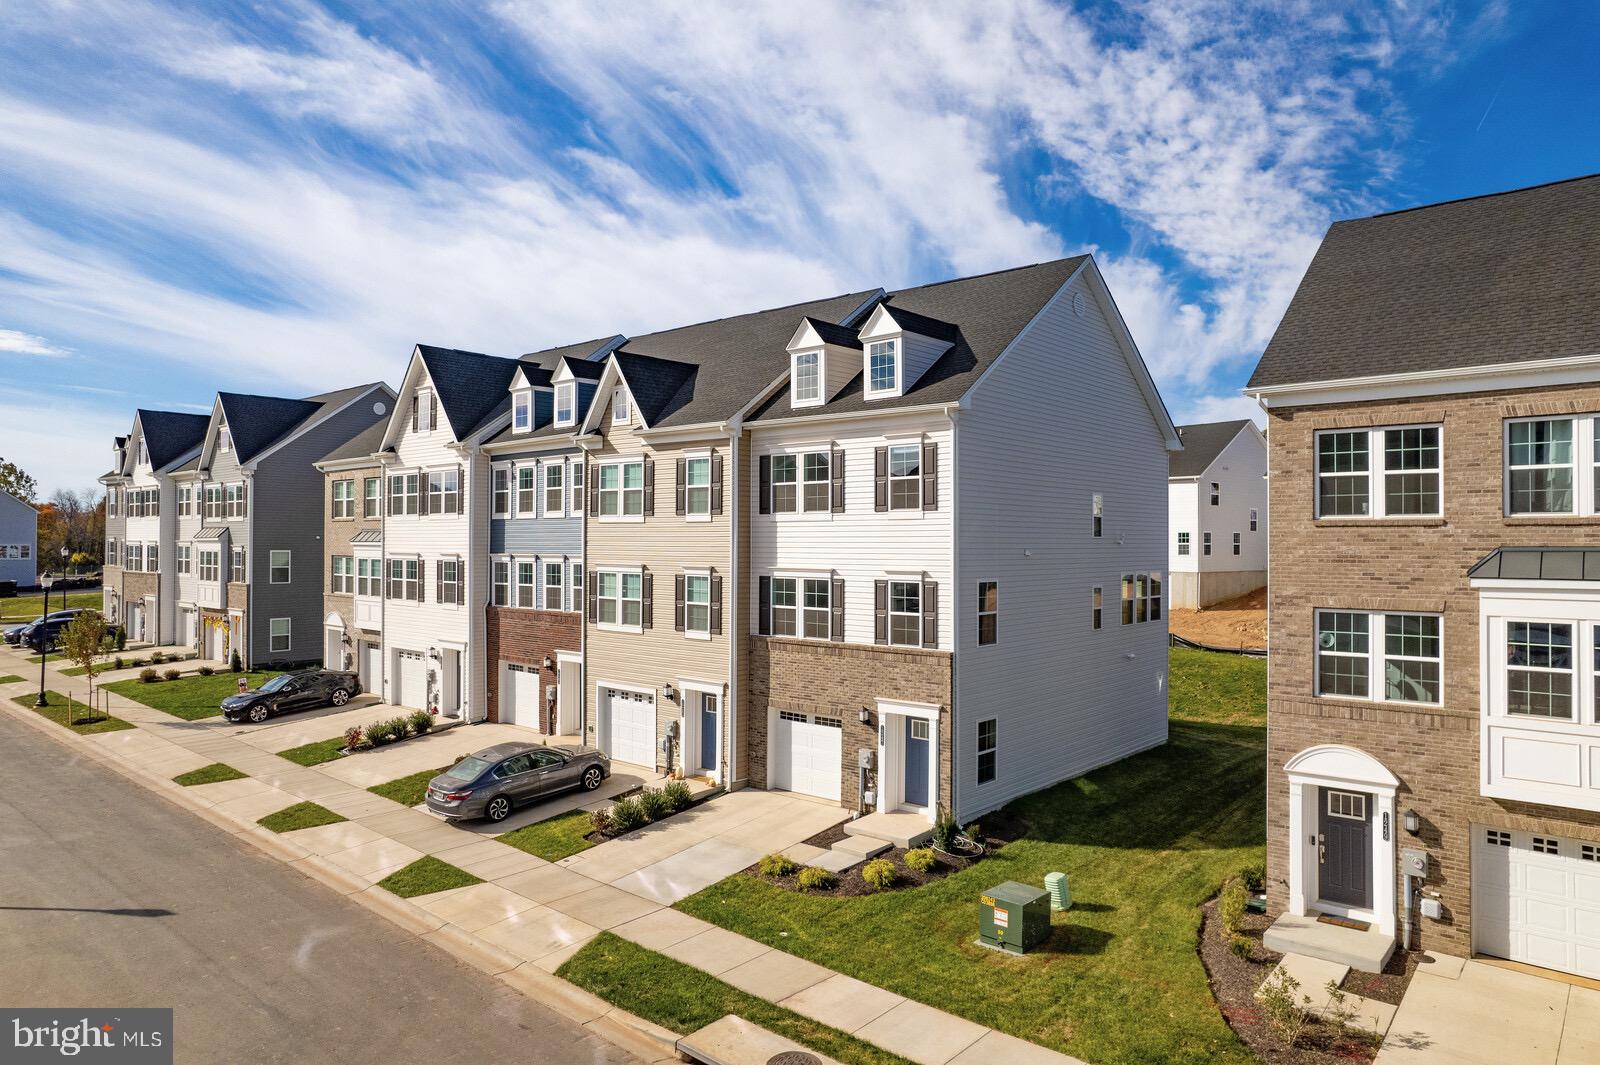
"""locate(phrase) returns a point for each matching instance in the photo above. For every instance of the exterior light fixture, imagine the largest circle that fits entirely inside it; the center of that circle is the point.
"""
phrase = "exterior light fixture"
(1413, 822)
(549, 663)
(670, 693)
(866, 716)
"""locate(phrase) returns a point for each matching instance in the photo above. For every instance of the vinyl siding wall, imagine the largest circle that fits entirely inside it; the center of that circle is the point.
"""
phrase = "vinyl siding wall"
(1058, 419)
(19, 524)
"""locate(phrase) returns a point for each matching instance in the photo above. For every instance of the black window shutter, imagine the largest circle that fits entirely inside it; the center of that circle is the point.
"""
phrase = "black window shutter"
(930, 613)
(930, 476)
(836, 605)
(461, 491)
(764, 607)
(422, 493)
(422, 579)
(244, 500)
(880, 479)
(836, 470)
(594, 598)
(716, 604)
(880, 612)
(414, 411)
(594, 496)
(766, 484)
(433, 410)
(438, 581)
(677, 595)
(678, 487)
(649, 488)
(392, 497)
(647, 608)
(716, 483)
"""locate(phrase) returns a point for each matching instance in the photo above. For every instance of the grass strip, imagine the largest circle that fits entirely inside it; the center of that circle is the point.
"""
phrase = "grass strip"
(215, 773)
(300, 815)
(83, 723)
(425, 876)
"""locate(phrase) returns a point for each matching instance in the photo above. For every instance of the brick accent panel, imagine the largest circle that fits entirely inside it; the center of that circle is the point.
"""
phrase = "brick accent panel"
(1407, 564)
(526, 637)
(839, 679)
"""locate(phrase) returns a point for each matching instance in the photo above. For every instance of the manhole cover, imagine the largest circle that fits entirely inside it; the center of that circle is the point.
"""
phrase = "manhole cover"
(794, 1057)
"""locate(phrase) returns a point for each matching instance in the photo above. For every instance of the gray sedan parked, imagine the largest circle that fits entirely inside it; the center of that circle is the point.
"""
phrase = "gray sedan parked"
(498, 779)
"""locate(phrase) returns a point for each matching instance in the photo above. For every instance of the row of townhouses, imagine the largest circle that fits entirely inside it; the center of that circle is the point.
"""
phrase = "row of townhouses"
(897, 550)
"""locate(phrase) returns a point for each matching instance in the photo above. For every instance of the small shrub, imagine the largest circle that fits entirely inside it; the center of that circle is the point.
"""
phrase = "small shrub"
(236, 663)
(813, 879)
(944, 830)
(171, 674)
(352, 737)
(627, 815)
(1283, 1006)
(920, 860)
(148, 676)
(776, 865)
(1231, 905)
(678, 795)
(879, 874)
(381, 732)
(1242, 946)
(1254, 877)
(156, 658)
(205, 671)
(122, 638)
(118, 663)
(136, 662)
(600, 821)
(419, 721)
(654, 804)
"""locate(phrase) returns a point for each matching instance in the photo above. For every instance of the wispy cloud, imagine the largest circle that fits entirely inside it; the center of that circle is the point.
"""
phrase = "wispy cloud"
(15, 342)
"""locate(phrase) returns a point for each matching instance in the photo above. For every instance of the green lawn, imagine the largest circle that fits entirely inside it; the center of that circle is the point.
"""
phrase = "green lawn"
(407, 791)
(684, 999)
(425, 876)
(1144, 842)
(215, 773)
(300, 815)
(555, 839)
(27, 607)
(57, 711)
(315, 753)
(190, 698)
(10, 678)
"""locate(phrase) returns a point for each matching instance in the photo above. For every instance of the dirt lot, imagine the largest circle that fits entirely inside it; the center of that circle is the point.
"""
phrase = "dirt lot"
(1240, 622)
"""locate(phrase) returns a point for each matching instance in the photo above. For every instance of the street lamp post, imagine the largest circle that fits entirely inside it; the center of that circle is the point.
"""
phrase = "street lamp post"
(44, 638)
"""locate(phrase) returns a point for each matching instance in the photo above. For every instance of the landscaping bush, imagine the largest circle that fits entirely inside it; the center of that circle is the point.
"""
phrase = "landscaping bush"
(156, 658)
(1283, 1006)
(678, 795)
(420, 721)
(921, 859)
(627, 815)
(171, 674)
(118, 663)
(813, 879)
(776, 865)
(654, 804)
(122, 638)
(386, 731)
(879, 874)
(352, 737)
(600, 821)
(945, 828)
(236, 663)
(205, 671)
(1231, 905)
(1254, 877)
(135, 661)
(148, 676)
(1243, 946)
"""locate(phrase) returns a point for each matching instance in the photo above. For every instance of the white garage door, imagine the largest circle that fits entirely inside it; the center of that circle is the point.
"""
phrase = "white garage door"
(805, 751)
(628, 725)
(411, 680)
(519, 695)
(1536, 899)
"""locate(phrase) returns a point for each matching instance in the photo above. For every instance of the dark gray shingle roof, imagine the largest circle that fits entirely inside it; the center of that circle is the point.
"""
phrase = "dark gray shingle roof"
(363, 445)
(471, 386)
(1504, 278)
(1539, 564)
(169, 435)
(258, 422)
(832, 333)
(1201, 445)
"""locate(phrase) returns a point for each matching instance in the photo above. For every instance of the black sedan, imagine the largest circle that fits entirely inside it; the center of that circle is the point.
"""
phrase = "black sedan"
(498, 779)
(292, 691)
(21, 634)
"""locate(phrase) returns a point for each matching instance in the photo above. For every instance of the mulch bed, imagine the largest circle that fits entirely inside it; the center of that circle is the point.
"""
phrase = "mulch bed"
(1234, 981)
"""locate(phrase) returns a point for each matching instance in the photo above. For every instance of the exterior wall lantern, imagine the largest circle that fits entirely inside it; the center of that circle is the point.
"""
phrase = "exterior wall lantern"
(1413, 823)
(866, 716)
(670, 693)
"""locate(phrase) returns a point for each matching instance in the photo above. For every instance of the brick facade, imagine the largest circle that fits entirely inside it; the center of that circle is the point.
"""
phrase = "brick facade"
(839, 679)
(1404, 564)
(526, 637)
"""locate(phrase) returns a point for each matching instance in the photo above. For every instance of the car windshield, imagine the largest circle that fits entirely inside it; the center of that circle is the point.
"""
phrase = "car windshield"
(275, 683)
(467, 769)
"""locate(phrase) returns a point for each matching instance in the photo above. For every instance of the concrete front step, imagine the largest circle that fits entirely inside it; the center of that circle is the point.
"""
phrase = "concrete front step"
(863, 847)
(1366, 952)
(835, 861)
(898, 830)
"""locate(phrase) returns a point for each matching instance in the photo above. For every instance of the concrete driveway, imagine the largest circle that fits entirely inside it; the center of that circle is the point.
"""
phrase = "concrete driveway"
(1478, 1013)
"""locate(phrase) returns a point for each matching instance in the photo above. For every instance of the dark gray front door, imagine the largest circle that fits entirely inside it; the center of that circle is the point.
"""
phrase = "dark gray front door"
(1344, 834)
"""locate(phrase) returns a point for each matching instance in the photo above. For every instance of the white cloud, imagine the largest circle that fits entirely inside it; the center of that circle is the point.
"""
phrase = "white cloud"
(1213, 408)
(15, 342)
(56, 440)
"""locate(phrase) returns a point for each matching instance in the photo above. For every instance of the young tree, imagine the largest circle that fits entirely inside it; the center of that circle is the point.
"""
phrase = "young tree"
(17, 482)
(81, 641)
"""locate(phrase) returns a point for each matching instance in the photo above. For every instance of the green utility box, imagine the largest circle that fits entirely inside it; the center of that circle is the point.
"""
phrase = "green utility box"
(1013, 917)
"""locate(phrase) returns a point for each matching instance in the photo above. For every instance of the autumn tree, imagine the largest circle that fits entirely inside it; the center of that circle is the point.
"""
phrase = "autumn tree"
(17, 482)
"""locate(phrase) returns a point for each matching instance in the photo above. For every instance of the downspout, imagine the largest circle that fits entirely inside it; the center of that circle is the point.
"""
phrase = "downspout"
(955, 599)
(249, 568)
(733, 590)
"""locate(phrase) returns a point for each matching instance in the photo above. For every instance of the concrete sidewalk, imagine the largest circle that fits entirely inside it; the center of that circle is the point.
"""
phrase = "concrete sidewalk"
(530, 915)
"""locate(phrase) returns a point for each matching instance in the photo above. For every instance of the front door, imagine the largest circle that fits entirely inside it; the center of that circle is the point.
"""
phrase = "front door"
(1344, 837)
(708, 731)
(569, 695)
(916, 776)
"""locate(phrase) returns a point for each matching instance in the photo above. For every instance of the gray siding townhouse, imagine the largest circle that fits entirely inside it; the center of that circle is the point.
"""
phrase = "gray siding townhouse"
(353, 556)
(19, 541)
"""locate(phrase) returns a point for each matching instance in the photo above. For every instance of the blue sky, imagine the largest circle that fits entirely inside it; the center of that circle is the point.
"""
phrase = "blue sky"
(284, 197)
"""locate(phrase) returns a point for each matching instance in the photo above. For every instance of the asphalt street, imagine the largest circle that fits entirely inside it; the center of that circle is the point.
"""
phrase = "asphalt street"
(111, 896)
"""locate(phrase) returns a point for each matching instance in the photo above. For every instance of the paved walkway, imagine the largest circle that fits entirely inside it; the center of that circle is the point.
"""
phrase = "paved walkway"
(535, 913)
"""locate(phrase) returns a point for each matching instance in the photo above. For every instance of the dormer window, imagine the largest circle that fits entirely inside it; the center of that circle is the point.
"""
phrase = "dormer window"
(807, 378)
(224, 439)
(422, 412)
(143, 458)
(566, 404)
(522, 412)
(619, 407)
(883, 367)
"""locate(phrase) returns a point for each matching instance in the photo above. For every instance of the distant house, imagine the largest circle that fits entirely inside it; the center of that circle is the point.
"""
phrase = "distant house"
(19, 541)
(1217, 513)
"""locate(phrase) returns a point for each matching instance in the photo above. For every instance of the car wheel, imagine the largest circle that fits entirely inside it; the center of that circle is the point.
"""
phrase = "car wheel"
(258, 714)
(499, 808)
(340, 697)
(592, 778)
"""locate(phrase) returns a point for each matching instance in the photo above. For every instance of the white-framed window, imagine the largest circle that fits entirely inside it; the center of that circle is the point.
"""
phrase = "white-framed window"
(1388, 472)
(1205, 543)
(1183, 543)
(883, 367)
(111, 502)
(224, 438)
(185, 500)
(1543, 474)
(1394, 658)
(1237, 543)
(1096, 607)
(815, 482)
(1255, 520)
(697, 486)
(234, 494)
(527, 586)
(500, 491)
(278, 567)
(621, 489)
(1540, 670)
(343, 579)
(500, 581)
(278, 630)
(403, 578)
(555, 489)
(1097, 515)
(988, 749)
(444, 492)
(905, 613)
(527, 490)
(619, 598)
(905, 477)
(566, 404)
(403, 488)
(369, 576)
(988, 612)
(422, 411)
(619, 406)
(806, 376)
(237, 570)
(802, 606)
(1141, 598)
(372, 496)
(785, 484)
(785, 606)
(210, 565)
(185, 558)
(344, 498)
(553, 585)
(521, 411)
(152, 558)
(450, 583)
(211, 496)
(697, 604)
(574, 586)
(1216, 494)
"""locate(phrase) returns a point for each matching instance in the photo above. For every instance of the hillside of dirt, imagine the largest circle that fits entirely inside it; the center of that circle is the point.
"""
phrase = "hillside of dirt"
(1240, 622)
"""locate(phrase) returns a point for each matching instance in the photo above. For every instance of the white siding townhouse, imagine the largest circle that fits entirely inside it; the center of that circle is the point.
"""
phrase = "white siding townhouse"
(1217, 501)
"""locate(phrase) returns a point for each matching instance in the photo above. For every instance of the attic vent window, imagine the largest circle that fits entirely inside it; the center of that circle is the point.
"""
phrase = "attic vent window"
(224, 439)
(565, 413)
(808, 377)
(1080, 305)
